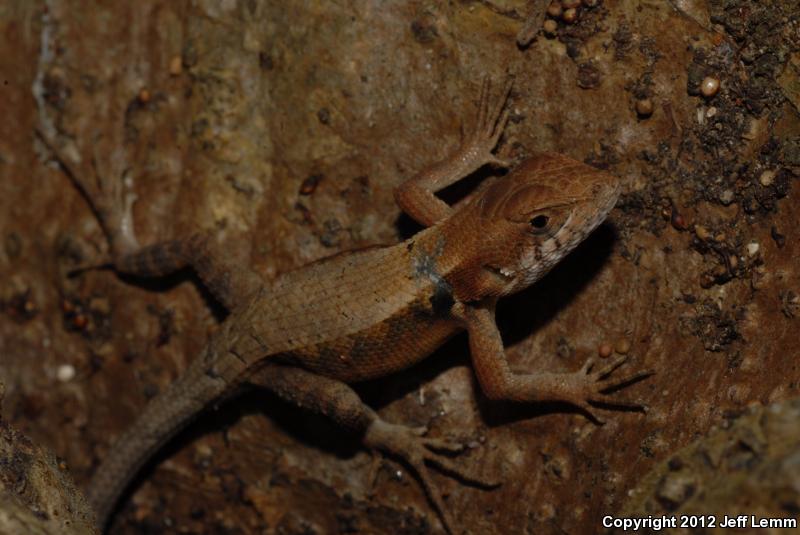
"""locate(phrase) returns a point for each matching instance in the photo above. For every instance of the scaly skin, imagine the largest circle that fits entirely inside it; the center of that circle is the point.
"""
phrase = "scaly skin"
(369, 313)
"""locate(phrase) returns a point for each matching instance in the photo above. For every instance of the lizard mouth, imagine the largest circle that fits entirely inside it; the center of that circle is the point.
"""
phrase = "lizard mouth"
(503, 274)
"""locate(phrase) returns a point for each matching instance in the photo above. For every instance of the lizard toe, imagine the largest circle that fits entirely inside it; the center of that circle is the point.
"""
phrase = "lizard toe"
(610, 367)
(615, 383)
(448, 466)
(590, 412)
(587, 366)
(611, 401)
(441, 444)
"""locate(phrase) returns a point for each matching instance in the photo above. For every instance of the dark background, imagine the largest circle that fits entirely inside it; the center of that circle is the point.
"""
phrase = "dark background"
(221, 112)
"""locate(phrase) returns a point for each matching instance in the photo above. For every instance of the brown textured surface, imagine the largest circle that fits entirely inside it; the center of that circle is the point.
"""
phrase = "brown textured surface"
(270, 98)
(37, 495)
(748, 467)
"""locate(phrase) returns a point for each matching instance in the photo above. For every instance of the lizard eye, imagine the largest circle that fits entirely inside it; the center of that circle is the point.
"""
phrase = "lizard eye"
(540, 222)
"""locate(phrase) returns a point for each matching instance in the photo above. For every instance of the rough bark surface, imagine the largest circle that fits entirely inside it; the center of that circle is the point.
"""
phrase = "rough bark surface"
(284, 126)
(37, 495)
(748, 468)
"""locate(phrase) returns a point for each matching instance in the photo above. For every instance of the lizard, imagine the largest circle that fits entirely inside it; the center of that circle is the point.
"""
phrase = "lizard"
(309, 333)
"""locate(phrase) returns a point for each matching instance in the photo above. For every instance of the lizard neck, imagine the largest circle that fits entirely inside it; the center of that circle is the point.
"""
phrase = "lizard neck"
(449, 255)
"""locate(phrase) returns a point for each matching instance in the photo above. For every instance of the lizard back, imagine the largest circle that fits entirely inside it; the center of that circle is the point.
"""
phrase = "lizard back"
(356, 316)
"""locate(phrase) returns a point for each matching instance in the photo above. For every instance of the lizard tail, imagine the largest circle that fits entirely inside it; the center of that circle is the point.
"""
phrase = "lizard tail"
(163, 418)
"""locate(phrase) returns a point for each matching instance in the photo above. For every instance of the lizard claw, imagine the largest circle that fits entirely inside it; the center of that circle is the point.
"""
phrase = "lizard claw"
(416, 451)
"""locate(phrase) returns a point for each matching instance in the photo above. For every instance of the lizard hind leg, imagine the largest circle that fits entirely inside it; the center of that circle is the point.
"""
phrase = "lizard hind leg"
(342, 404)
(214, 266)
(110, 198)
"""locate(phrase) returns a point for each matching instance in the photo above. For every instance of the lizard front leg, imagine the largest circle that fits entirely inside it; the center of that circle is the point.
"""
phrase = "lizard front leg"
(498, 382)
(338, 401)
(112, 202)
(416, 196)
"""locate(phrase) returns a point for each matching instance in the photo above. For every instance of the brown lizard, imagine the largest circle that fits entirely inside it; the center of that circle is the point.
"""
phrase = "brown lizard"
(364, 314)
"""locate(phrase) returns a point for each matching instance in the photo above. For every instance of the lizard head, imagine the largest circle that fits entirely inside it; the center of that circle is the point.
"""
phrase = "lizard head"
(536, 215)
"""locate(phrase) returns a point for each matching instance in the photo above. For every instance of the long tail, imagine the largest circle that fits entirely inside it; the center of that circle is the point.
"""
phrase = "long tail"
(162, 418)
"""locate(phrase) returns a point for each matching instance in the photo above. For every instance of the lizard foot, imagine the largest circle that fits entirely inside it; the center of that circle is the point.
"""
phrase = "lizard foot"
(593, 384)
(109, 198)
(492, 120)
(416, 451)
